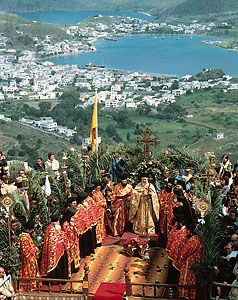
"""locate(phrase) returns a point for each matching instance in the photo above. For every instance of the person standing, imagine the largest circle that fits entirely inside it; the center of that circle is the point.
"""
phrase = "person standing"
(101, 203)
(167, 201)
(144, 209)
(52, 163)
(73, 237)
(121, 204)
(191, 253)
(39, 165)
(28, 256)
(55, 253)
(225, 165)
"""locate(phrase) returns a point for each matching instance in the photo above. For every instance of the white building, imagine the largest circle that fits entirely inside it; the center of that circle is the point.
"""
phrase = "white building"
(47, 123)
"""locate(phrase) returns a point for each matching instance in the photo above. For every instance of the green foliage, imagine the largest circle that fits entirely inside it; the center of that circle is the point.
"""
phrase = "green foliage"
(208, 74)
(56, 5)
(202, 7)
(9, 255)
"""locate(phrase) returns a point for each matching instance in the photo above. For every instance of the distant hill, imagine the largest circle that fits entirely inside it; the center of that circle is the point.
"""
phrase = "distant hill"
(36, 5)
(202, 7)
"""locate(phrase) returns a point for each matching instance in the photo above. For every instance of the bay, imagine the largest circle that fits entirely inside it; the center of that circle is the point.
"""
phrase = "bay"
(72, 17)
(173, 54)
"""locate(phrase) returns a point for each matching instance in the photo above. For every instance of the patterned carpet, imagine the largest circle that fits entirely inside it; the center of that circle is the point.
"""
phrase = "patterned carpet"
(108, 262)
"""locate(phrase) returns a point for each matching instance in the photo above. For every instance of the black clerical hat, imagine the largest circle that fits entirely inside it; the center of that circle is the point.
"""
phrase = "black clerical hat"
(171, 180)
(30, 224)
(97, 183)
(81, 197)
(181, 182)
(123, 176)
(72, 198)
(144, 174)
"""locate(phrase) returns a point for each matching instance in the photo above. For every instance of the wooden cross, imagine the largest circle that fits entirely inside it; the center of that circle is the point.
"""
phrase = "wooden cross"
(147, 141)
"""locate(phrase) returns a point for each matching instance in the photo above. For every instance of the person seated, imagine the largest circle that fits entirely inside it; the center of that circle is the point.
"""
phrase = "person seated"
(6, 288)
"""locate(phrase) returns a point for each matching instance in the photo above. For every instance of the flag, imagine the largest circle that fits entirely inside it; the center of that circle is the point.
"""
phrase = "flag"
(94, 126)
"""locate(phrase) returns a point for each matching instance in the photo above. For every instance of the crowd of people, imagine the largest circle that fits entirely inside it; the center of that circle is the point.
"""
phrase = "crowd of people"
(104, 208)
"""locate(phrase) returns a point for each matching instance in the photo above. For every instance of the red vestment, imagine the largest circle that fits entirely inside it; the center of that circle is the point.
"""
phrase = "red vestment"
(191, 252)
(171, 236)
(73, 239)
(101, 204)
(55, 245)
(121, 205)
(167, 202)
(175, 249)
(86, 216)
(29, 265)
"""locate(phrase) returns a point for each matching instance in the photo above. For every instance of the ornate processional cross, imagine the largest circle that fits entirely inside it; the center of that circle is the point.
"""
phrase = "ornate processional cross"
(147, 141)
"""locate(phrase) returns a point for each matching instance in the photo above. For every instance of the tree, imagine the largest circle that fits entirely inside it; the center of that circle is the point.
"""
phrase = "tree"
(175, 85)
(128, 136)
(45, 106)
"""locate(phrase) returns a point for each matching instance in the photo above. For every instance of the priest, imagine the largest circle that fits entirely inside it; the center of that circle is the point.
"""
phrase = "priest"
(121, 203)
(55, 254)
(29, 255)
(144, 208)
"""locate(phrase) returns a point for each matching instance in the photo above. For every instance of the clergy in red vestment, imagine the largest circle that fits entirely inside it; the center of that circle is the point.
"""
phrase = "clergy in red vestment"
(28, 256)
(121, 204)
(168, 201)
(55, 254)
(85, 221)
(191, 253)
(101, 203)
(71, 233)
(177, 236)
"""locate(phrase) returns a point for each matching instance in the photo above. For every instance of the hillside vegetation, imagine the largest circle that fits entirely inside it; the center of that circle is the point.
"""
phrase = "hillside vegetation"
(203, 7)
(21, 32)
(31, 5)
(213, 111)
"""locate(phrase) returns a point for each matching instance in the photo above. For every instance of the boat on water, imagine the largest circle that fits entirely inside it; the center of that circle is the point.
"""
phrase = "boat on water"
(91, 65)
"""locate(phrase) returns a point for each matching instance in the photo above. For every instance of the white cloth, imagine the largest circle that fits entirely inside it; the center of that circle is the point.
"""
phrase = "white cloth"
(6, 288)
(47, 187)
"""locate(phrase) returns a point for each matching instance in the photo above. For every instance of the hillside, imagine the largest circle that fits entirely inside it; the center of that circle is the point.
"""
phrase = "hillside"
(25, 143)
(203, 7)
(21, 32)
(32, 5)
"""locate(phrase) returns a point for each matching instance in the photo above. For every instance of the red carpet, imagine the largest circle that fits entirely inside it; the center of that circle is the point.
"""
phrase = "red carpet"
(110, 291)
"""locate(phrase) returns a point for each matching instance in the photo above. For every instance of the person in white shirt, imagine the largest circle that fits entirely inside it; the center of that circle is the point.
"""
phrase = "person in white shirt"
(6, 288)
(52, 163)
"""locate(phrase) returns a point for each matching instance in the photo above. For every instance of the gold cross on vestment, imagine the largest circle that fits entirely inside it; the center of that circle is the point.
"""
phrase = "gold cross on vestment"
(147, 141)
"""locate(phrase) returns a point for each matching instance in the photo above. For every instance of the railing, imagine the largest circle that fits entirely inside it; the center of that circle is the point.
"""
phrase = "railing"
(49, 284)
(160, 290)
(224, 290)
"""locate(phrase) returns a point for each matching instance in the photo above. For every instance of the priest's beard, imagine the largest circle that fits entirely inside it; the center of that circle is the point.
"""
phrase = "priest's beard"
(168, 189)
(124, 184)
(144, 184)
